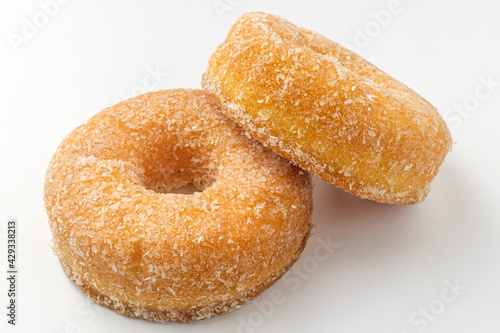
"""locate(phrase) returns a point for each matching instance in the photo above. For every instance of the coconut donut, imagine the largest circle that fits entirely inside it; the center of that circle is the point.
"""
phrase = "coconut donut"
(328, 110)
(132, 245)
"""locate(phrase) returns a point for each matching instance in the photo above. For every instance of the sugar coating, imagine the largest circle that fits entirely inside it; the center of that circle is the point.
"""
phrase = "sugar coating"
(328, 110)
(161, 256)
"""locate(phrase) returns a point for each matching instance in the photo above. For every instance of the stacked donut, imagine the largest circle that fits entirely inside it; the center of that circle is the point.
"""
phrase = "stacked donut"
(328, 110)
(279, 102)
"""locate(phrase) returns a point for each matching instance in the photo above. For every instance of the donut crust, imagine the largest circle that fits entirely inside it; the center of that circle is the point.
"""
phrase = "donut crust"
(328, 110)
(132, 245)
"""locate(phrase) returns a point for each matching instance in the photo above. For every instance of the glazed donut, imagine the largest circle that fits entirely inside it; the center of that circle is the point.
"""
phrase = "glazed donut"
(328, 110)
(131, 244)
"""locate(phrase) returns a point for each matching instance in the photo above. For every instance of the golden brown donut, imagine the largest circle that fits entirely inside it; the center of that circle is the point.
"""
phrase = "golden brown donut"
(165, 256)
(328, 110)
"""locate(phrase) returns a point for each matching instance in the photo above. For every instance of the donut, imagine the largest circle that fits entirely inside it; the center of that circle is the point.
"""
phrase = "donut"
(130, 242)
(328, 110)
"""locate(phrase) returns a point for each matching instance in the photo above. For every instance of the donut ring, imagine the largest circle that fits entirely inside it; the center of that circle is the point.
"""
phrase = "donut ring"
(328, 110)
(166, 256)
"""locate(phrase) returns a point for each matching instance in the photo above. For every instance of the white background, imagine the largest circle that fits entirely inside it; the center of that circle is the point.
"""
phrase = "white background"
(389, 268)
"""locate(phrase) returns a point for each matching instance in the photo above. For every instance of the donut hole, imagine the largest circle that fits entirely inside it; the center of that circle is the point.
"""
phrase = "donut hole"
(177, 170)
(180, 181)
(189, 188)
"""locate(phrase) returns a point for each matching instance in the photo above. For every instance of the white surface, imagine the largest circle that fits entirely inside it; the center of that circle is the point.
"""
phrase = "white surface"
(387, 263)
